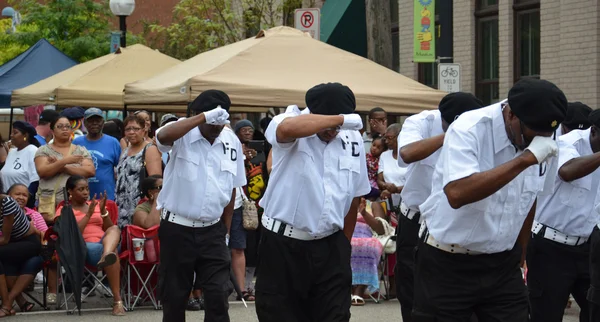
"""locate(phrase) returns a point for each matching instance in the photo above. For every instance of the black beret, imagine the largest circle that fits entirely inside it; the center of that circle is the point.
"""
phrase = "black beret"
(539, 104)
(577, 116)
(73, 113)
(209, 100)
(454, 104)
(330, 99)
(25, 128)
(594, 118)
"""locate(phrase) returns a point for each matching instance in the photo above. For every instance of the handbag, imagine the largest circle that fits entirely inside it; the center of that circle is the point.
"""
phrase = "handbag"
(143, 170)
(389, 245)
(47, 204)
(249, 213)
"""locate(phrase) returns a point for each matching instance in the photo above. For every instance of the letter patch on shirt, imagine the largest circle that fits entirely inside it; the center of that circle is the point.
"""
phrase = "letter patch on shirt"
(354, 145)
(232, 151)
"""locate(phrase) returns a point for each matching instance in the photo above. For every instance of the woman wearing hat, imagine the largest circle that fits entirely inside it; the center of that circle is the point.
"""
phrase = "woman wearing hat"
(20, 165)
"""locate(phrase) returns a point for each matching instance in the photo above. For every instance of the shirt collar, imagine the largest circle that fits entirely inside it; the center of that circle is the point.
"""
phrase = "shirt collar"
(196, 135)
(501, 140)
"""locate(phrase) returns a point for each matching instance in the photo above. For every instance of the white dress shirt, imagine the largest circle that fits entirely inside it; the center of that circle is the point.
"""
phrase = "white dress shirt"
(569, 209)
(313, 183)
(477, 142)
(200, 177)
(419, 127)
(392, 173)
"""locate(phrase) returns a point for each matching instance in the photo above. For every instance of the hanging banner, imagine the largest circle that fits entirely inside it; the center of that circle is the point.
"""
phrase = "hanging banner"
(424, 31)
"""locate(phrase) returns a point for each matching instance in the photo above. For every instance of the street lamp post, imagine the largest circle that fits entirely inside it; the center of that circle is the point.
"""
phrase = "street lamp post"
(122, 9)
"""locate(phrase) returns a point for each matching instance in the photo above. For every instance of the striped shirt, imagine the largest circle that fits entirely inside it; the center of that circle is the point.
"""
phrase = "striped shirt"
(20, 223)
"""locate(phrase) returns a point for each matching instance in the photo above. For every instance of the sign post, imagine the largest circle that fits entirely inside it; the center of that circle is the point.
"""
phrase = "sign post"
(449, 77)
(115, 41)
(308, 20)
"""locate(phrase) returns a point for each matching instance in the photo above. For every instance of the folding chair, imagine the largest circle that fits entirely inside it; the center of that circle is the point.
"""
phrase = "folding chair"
(91, 271)
(142, 276)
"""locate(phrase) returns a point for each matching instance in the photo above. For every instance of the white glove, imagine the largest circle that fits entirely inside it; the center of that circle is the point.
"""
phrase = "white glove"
(543, 148)
(293, 109)
(305, 111)
(352, 122)
(217, 116)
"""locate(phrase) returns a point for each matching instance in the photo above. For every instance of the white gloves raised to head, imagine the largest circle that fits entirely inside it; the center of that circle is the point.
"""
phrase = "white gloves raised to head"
(352, 122)
(543, 148)
(217, 116)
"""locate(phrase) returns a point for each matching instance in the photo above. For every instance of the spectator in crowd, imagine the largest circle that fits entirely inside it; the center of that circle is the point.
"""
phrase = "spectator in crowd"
(378, 146)
(139, 156)
(366, 254)
(377, 126)
(55, 162)
(75, 116)
(18, 243)
(114, 128)
(101, 236)
(146, 215)
(3, 151)
(20, 166)
(44, 132)
(33, 265)
(104, 150)
(144, 115)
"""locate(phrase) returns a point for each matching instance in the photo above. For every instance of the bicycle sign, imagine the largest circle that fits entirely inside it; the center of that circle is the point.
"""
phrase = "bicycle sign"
(449, 77)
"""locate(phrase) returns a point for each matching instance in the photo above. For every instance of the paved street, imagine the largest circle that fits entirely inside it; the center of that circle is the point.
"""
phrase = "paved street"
(387, 311)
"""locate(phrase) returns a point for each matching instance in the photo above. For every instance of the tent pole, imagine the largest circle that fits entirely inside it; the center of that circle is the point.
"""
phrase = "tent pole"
(124, 111)
(11, 120)
(188, 111)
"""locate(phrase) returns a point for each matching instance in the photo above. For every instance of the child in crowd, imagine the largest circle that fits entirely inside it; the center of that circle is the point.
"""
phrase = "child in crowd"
(378, 146)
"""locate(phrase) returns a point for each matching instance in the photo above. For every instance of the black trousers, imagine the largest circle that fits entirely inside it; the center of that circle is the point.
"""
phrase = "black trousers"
(185, 250)
(407, 238)
(593, 295)
(555, 271)
(17, 252)
(453, 287)
(302, 281)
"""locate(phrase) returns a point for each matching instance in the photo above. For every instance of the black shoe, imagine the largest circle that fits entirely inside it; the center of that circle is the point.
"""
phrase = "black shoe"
(193, 305)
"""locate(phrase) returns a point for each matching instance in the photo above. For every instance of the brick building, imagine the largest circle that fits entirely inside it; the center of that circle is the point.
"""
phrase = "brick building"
(497, 42)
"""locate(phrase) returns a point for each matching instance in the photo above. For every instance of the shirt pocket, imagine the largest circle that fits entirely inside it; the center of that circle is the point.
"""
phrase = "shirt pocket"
(576, 193)
(228, 172)
(187, 164)
(531, 186)
(349, 171)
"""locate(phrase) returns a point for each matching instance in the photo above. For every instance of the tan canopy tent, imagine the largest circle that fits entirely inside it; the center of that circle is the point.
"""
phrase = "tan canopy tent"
(275, 69)
(99, 82)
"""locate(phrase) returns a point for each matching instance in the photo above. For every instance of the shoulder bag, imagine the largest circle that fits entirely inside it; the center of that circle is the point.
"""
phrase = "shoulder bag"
(249, 212)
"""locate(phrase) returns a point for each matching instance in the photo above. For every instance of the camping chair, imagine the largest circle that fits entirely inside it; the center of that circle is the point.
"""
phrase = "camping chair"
(384, 267)
(141, 276)
(91, 271)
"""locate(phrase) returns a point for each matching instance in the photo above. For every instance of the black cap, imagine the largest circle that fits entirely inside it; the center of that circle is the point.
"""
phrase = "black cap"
(594, 118)
(330, 99)
(577, 116)
(209, 100)
(73, 113)
(454, 104)
(539, 104)
(48, 116)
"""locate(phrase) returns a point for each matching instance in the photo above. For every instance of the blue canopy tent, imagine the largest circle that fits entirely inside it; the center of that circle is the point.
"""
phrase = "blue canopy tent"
(40, 61)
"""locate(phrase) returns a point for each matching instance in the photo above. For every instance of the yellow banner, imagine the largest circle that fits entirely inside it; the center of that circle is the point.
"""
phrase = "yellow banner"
(424, 31)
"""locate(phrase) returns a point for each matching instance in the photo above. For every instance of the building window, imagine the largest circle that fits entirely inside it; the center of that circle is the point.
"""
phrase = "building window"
(527, 39)
(395, 35)
(487, 58)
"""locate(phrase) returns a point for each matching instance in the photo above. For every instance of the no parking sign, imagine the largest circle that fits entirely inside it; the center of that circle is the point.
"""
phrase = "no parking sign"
(308, 20)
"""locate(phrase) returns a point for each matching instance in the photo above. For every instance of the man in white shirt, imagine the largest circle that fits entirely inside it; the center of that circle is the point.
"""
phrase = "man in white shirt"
(477, 221)
(558, 252)
(197, 202)
(419, 143)
(311, 204)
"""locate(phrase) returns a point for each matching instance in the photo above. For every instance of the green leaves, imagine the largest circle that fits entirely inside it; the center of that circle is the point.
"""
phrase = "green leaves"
(79, 28)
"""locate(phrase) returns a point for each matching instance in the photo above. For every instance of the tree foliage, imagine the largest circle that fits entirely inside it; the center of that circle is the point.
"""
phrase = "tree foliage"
(202, 25)
(79, 28)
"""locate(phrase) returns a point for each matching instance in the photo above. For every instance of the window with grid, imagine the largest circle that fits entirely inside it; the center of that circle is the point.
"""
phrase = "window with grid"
(487, 58)
(527, 39)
